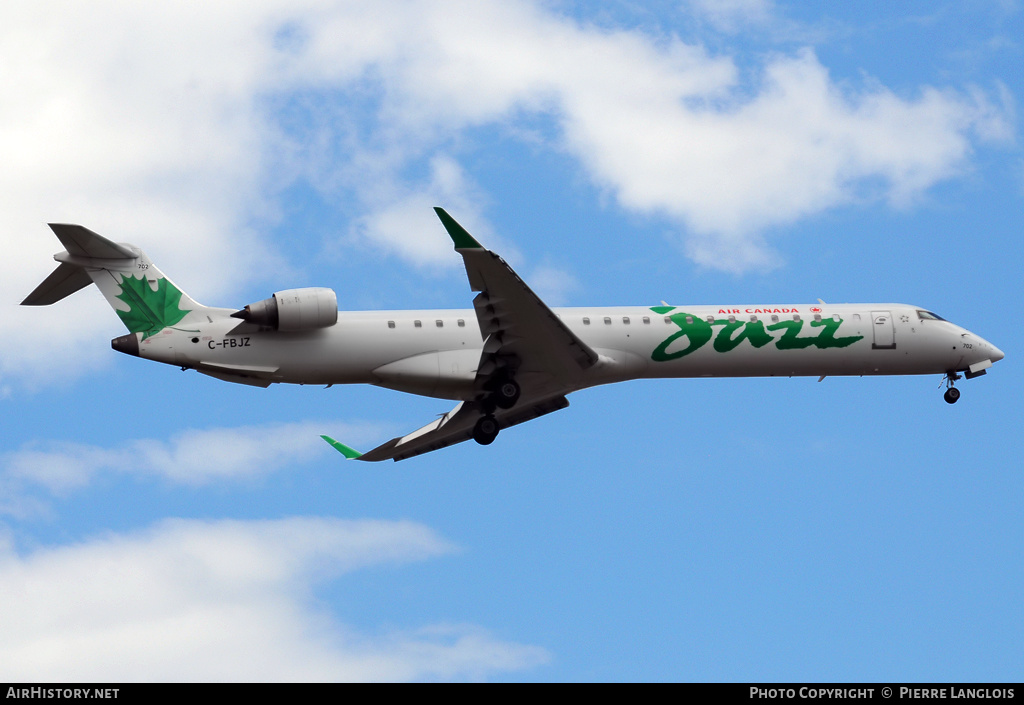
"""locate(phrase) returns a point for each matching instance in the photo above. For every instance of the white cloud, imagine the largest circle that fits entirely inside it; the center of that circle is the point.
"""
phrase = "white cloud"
(553, 284)
(156, 123)
(138, 121)
(733, 15)
(665, 127)
(402, 218)
(192, 457)
(225, 601)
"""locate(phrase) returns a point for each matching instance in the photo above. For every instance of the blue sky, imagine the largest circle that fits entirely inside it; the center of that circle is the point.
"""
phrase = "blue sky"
(161, 525)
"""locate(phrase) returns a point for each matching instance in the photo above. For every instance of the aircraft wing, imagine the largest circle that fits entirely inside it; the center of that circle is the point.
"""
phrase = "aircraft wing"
(453, 427)
(522, 339)
(519, 330)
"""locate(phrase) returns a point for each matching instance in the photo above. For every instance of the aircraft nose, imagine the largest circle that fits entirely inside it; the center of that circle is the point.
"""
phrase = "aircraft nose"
(989, 350)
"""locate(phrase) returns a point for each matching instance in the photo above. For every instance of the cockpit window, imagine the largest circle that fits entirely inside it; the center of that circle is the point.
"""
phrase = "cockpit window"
(929, 316)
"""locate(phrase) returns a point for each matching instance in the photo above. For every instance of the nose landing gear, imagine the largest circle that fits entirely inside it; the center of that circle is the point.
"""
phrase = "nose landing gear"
(952, 393)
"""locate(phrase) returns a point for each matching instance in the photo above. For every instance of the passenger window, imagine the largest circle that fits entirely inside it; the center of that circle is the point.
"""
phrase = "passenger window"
(607, 321)
(732, 319)
(625, 319)
(689, 320)
(440, 324)
(753, 319)
(586, 321)
(668, 319)
(817, 317)
(775, 319)
(856, 316)
(836, 318)
(462, 323)
(391, 324)
(711, 319)
(796, 316)
(418, 324)
(647, 319)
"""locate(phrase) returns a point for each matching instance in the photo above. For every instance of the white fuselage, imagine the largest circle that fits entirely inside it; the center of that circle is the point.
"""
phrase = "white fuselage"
(437, 352)
(507, 360)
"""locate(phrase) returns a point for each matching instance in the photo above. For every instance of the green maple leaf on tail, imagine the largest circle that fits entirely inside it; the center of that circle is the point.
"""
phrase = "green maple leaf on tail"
(149, 311)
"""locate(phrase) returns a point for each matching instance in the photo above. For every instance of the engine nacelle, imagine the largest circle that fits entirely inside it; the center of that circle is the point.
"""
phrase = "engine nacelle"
(294, 309)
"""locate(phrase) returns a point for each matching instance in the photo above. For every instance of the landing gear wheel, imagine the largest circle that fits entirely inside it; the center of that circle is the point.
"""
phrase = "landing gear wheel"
(486, 430)
(951, 395)
(506, 395)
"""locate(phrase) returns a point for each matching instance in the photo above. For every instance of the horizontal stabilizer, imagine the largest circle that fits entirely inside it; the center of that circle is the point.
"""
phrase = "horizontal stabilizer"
(65, 280)
(81, 241)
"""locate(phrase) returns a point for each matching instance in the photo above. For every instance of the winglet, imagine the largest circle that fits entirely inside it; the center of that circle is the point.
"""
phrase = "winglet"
(342, 448)
(462, 239)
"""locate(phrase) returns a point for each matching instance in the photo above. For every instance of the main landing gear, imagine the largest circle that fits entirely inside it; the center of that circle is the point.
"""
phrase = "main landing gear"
(504, 395)
(952, 393)
(486, 430)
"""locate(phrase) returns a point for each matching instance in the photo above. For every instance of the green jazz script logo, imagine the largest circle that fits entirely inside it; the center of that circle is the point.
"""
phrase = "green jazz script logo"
(695, 332)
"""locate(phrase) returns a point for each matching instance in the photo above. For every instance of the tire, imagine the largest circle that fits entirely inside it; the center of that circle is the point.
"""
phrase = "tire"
(952, 395)
(485, 430)
(506, 395)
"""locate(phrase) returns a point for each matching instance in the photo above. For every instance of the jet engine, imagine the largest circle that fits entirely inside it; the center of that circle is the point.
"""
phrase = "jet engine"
(294, 309)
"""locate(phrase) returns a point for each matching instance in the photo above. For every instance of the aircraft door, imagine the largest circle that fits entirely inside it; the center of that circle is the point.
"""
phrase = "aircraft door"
(885, 337)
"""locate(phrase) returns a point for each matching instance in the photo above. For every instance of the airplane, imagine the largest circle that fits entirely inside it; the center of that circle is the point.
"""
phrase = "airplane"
(510, 358)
